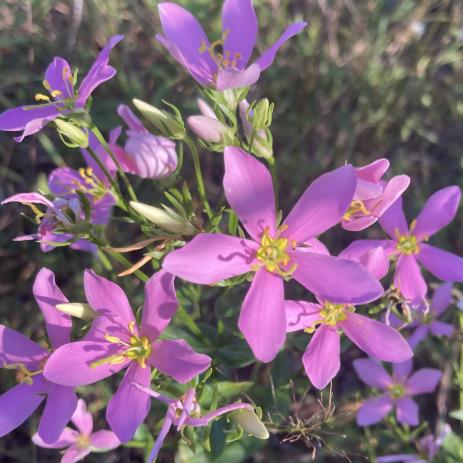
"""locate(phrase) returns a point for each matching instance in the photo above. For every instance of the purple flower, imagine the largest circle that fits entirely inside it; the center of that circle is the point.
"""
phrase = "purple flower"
(373, 196)
(63, 98)
(114, 342)
(398, 390)
(222, 63)
(327, 321)
(275, 253)
(80, 443)
(408, 244)
(187, 412)
(144, 154)
(28, 359)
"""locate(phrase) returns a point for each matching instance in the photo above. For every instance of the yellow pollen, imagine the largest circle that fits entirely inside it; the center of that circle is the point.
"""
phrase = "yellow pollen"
(222, 59)
(396, 391)
(273, 253)
(83, 441)
(407, 244)
(41, 97)
(55, 93)
(332, 314)
(87, 175)
(355, 207)
(24, 375)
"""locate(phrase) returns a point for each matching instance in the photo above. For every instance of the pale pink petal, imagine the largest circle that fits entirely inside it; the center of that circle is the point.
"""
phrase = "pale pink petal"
(25, 198)
(408, 278)
(82, 419)
(104, 440)
(67, 438)
(301, 315)
(75, 453)
(262, 318)
(394, 220)
(322, 205)
(376, 339)
(249, 190)
(321, 358)
(407, 411)
(442, 264)
(441, 298)
(423, 381)
(211, 257)
(374, 410)
(229, 78)
(372, 373)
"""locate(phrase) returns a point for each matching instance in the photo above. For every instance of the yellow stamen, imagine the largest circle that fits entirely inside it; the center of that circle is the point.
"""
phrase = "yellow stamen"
(222, 59)
(332, 315)
(355, 207)
(396, 391)
(55, 93)
(83, 441)
(41, 97)
(407, 244)
(24, 375)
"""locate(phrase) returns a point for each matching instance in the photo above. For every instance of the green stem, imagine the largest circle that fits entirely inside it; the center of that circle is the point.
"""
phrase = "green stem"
(370, 448)
(199, 177)
(186, 318)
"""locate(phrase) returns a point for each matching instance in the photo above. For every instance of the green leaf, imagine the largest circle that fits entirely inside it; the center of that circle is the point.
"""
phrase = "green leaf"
(230, 389)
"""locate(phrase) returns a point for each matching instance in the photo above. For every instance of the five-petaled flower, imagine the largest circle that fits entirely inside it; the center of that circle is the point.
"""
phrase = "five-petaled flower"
(222, 63)
(398, 390)
(276, 253)
(62, 98)
(409, 245)
(115, 342)
(28, 359)
(79, 443)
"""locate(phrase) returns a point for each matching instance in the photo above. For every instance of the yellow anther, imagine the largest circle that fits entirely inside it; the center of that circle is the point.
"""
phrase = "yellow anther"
(333, 313)
(83, 441)
(132, 327)
(41, 97)
(407, 244)
(396, 391)
(46, 84)
(355, 207)
(220, 56)
(112, 339)
(24, 375)
(55, 93)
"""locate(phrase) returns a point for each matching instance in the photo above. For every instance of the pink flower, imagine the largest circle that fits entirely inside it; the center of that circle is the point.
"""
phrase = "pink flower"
(80, 443)
(28, 359)
(114, 342)
(275, 253)
(327, 321)
(408, 244)
(373, 196)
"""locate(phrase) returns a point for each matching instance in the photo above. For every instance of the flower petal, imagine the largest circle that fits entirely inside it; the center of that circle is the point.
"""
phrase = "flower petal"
(442, 264)
(402, 370)
(441, 329)
(322, 205)
(249, 190)
(394, 219)
(239, 25)
(391, 192)
(358, 250)
(82, 419)
(407, 411)
(301, 315)
(67, 438)
(408, 278)
(176, 358)
(374, 410)
(334, 279)
(59, 77)
(168, 421)
(25, 198)
(129, 406)
(441, 298)
(374, 171)
(47, 294)
(211, 257)
(104, 440)
(74, 454)
(262, 318)
(100, 71)
(423, 381)
(228, 79)
(418, 335)
(372, 373)
(376, 339)
(439, 211)
(160, 304)
(266, 59)
(60, 406)
(321, 359)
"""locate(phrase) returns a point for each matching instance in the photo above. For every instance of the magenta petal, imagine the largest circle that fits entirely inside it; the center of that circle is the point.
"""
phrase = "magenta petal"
(334, 279)
(376, 339)
(394, 219)
(441, 298)
(372, 373)
(266, 59)
(59, 77)
(130, 119)
(160, 304)
(239, 22)
(321, 358)
(374, 410)
(228, 79)
(374, 171)
(301, 315)
(18, 403)
(75, 453)
(211, 257)
(168, 421)
(249, 190)
(129, 406)
(441, 329)
(176, 358)
(100, 71)
(392, 191)
(82, 419)
(407, 411)
(376, 262)
(408, 278)
(442, 264)
(47, 294)
(418, 335)
(439, 211)
(423, 381)
(402, 370)
(400, 458)
(262, 318)
(60, 406)
(25, 198)
(78, 372)
(322, 205)
(67, 438)
(104, 440)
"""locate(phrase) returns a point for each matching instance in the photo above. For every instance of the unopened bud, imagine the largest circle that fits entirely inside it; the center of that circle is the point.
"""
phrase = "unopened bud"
(168, 124)
(75, 135)
(166, 218)
(251, 423)
(78, 310)
(262, 117)
(207, 128)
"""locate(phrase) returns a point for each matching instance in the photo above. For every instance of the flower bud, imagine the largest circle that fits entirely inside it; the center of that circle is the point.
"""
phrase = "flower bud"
(75, 135)
(262, 117)
(165, 218)
(207, 128)
(78, 310)
(251, 423)
(170, 125)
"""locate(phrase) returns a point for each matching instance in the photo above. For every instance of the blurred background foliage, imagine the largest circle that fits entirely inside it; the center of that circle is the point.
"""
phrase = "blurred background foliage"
(366, 79)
